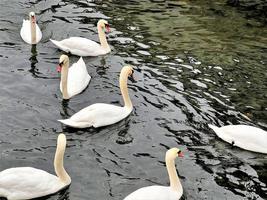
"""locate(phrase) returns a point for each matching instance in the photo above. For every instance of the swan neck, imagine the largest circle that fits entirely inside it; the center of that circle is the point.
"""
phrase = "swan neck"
(64, 80)
(124, 89)
(175, 183)
(33, 31)
(59, 164)
(102, 38)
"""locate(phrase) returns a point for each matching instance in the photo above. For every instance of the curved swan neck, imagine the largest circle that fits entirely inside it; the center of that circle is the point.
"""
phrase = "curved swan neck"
(64, 80)
(59, 163)
(175, 183)
(124, 89)
(33, 31)
(102, 38)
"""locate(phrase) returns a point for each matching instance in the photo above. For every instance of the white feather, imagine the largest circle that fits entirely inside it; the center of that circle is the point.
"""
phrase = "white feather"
(80, 46)
(243, 136)
(78, 78)
(25, 32)
(26, 183)
(97, 115)
(155, 193)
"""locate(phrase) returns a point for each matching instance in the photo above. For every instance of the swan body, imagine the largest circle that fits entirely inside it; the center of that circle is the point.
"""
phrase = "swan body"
(243, 136)
(74, 79)
(15, 183)
(97, 115)
(172, 192)
(101, 114)
(23, 183)
(154, 192)
(30, 31)
(85, 47)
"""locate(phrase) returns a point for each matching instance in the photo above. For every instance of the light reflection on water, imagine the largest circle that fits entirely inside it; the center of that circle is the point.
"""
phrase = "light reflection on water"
(195, 64)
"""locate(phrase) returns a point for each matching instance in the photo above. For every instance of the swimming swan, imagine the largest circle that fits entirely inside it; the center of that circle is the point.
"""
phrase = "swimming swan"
(27, 183)
(101, 114)
(85, 47)
(243, 136)
(74, 79)
(156, 192)
(30, 31)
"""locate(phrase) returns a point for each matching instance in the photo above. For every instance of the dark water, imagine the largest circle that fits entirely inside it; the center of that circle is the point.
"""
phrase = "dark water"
(197, 62)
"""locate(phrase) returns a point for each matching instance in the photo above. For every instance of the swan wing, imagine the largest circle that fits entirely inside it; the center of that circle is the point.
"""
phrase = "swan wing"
(155, 193)
(27, 183)
(97, 115)
(25, 32)
(78, 78)
(244, 136)
(79, 46)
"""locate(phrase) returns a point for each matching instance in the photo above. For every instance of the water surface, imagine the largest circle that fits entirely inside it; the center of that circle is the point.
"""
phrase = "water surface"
(195, 63)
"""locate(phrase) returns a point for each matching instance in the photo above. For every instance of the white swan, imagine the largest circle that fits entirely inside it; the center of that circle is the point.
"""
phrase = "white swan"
(156, 192)
(243, 136)
(30, 31)
(74, 79)
(27, 183)
(85, 47)
(101, 114)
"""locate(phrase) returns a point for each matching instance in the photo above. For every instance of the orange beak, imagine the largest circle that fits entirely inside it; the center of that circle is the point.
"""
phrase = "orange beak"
(59, 68)
(107, 28)
(180, 154)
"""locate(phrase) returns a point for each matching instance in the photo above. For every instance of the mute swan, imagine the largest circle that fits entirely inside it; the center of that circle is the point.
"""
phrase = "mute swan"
(74, 79)
(27, 183)
(85, 47)
(30, 31)
(156, 192)
(101, 114)
(243, 136)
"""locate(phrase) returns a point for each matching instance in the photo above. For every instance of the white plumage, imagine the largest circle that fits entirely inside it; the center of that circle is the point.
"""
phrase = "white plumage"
(156, 192)
(97, 115)
(80, 46)
(23, 183)
(243, 136)
(27, 183)
(101, 114)
(78, 78)
(85, 47)
(26, 30)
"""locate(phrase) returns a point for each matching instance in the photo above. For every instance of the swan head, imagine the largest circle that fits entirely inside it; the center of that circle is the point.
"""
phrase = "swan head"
(63, 60)
(128, 70)
(173, 153)
(32, 17)
(104, 25)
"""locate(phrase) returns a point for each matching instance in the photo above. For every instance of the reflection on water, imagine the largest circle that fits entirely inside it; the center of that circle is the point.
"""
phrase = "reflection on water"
(34, 61)
(196, 63)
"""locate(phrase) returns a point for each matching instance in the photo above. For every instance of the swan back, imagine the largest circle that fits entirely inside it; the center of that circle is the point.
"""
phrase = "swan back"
(97, 115)
(154, 193)
(244, 136)
(80, 46)
(27, 183)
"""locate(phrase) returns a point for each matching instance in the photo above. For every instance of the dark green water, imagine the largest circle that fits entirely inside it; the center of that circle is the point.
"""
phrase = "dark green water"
(197, 62)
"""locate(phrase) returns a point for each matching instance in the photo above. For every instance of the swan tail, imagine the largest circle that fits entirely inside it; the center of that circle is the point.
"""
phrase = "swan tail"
(74, 124)
(68, 122)
(57, 43)
(60, 45)
(216, 129)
